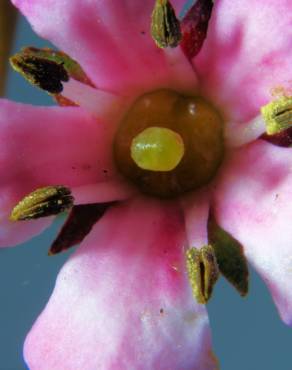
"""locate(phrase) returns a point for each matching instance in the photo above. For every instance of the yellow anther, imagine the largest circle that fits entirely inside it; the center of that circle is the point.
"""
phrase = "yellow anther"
(165, 27)
(203, 271)
(157, 149)
(43, 202)
(278, 115)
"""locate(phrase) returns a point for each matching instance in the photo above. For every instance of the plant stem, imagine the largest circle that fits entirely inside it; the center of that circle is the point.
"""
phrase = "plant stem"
(7, 27)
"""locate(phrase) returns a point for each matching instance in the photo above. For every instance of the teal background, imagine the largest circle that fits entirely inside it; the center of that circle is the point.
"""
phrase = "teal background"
(247, 333)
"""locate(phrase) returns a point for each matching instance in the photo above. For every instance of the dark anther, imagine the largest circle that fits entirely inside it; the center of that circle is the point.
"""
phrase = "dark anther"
(46, 74)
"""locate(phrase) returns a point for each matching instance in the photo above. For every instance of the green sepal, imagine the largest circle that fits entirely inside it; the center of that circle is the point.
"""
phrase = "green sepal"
(230, 257)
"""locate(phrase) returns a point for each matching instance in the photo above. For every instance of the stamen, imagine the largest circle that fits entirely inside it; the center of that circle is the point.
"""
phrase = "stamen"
(203, 272)
(47, 201)
(157, 149)
(55, 72)
(278, 115)
(165, 27)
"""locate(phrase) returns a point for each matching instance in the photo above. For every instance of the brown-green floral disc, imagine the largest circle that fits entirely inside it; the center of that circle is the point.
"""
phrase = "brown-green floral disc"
(197, 123)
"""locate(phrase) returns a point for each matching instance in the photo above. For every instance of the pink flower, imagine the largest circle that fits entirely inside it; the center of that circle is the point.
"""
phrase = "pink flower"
(123, 300)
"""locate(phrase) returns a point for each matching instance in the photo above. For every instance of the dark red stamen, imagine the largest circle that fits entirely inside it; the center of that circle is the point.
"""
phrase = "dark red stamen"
(194, 27)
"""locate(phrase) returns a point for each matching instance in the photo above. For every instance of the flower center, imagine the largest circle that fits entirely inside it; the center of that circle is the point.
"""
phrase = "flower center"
(169, 143)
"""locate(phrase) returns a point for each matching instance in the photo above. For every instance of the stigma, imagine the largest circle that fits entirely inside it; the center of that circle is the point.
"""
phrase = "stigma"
(157, 149)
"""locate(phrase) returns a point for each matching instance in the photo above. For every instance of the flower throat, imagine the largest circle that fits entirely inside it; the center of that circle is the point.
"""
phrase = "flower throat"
(169, 143)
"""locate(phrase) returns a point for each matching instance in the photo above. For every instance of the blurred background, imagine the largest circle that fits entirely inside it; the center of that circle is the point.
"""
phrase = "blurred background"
(247, 332)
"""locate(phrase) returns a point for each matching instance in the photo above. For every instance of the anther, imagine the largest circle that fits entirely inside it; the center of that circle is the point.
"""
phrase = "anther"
(278, 115)
(165, 27)
(45, 74)
(203, 272)
(47, 201)
(47, 69)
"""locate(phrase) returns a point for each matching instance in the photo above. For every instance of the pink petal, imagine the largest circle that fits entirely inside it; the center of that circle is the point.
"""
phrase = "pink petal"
(111, 40)
(246, 55)
(253, 201)
(13, 233)
(123, 300)
(47, 146)
(103, 192)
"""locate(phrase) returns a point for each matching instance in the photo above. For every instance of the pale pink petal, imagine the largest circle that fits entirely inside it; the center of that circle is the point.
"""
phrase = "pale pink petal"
(196, 212)
(111, 40)
(48, 146)
(253, 201)
(123, 300)
(246, 55)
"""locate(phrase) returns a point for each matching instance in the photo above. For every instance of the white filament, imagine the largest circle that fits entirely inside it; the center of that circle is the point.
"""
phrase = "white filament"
(238, 134)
